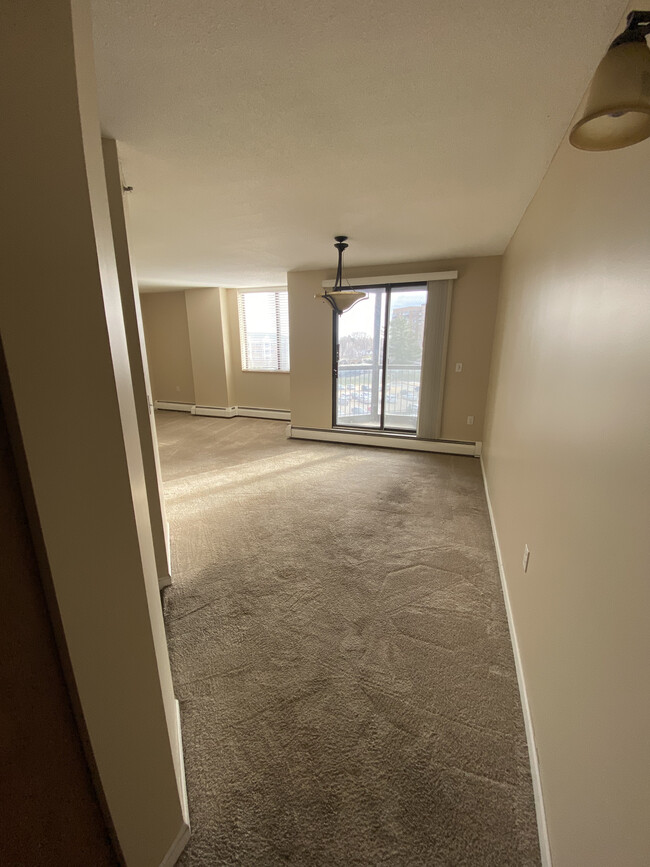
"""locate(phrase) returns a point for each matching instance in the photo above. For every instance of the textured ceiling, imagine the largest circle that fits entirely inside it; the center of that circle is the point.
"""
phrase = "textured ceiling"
(253, 132)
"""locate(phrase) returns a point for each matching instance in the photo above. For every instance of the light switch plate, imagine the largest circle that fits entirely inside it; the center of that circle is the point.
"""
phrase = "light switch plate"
(459, 366)
(470, 419)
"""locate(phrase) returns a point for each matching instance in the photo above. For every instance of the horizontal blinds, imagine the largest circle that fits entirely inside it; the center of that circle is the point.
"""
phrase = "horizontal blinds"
(264, 330)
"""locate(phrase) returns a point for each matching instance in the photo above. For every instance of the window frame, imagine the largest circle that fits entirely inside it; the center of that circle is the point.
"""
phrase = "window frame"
(244, 347)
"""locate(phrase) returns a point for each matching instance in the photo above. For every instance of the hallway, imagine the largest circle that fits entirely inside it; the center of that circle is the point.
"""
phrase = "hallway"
(341, 655)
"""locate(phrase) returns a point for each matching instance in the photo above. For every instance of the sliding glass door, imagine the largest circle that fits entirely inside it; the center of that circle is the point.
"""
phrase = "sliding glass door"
(359, 370)
(378, 359)
(404, 357)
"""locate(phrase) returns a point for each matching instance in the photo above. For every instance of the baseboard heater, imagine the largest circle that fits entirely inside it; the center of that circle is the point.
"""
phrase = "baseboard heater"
(260, 412)
(225, 411)
(385, 441)
(215, 411)
(175, 405)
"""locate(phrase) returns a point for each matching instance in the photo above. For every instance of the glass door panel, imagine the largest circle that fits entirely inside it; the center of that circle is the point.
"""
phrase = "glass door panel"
(404, 358)
(359, 383)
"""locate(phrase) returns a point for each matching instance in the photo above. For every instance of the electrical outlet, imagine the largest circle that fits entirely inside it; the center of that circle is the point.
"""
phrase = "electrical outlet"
(459, 366)
(470, 419)
(526, 558)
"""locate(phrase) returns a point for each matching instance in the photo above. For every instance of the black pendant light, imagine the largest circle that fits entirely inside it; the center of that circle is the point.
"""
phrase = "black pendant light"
(340, 297)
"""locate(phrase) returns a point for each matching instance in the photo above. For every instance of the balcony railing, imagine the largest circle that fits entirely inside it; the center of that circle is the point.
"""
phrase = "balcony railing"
(358, 392)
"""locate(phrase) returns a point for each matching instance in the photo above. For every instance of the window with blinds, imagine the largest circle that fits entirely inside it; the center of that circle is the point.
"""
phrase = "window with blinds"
(264, 330)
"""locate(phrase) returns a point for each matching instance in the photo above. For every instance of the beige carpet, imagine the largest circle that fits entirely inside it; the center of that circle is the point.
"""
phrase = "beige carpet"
(340, 650)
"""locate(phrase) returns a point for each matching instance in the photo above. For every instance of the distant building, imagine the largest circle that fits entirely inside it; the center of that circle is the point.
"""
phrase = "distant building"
(414, 316)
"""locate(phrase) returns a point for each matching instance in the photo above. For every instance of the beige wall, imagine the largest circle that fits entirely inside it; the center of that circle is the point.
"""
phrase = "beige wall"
(192, 341)
(66, 352)
(167, 337)
(473, 310)
(566, 457)
(270, 390)
(206, 341)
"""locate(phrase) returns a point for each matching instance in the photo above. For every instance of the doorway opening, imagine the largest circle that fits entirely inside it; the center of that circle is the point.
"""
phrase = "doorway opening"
(377, 368)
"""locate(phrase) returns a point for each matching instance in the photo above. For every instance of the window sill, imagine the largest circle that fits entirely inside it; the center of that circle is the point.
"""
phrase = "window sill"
(266, 371)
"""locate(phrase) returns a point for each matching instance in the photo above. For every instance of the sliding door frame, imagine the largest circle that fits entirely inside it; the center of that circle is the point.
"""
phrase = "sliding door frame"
(387, 289)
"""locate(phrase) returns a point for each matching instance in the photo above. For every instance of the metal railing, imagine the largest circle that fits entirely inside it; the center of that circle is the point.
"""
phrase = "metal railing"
(358, 390)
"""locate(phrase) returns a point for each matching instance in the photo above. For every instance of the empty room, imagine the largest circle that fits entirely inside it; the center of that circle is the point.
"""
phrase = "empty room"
(324, 383)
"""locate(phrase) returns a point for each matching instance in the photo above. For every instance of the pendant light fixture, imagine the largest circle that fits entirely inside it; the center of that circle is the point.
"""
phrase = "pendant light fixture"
(617, 113)
(340, 297)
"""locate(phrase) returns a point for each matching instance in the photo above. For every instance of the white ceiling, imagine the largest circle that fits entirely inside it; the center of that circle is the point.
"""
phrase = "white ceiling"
(253, 132)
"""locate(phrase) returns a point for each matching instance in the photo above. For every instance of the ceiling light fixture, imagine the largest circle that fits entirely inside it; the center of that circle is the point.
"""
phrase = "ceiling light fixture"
(617, 113)
(341, 297)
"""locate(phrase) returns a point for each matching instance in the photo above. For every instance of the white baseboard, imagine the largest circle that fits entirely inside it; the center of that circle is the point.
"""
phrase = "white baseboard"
(168, 546)
(165, 580)
(180, 841)
(176, 849)
(177, 406)
(381, 440)
(215, 411)
(542, 828)
(259, 412)
(183, 782)
(225, 411)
